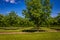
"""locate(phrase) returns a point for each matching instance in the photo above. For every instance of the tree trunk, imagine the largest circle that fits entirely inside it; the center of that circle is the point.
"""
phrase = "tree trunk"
(38, 28)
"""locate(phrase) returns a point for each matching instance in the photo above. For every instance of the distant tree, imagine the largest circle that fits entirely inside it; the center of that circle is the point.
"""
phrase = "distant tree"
(2, 20)
(26, 23)
(55, 21)
(12, 18)
(58, 19)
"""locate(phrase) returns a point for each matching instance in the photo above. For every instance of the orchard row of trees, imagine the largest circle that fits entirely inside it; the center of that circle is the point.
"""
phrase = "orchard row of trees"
(37, 13)
(13, 20)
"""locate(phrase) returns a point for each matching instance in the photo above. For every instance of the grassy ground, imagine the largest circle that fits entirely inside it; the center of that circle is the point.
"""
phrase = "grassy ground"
(11, 30)
(24, 28)
(50, 34)
(31, 36)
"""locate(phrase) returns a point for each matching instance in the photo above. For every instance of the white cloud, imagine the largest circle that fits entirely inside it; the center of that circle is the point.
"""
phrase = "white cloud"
(7, 0)
(12, 1)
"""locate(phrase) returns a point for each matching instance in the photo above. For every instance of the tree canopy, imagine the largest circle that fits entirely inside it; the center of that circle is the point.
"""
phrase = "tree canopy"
(38, 11)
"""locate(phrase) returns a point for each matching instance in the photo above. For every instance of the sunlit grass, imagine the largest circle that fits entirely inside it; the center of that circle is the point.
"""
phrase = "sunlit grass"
(31, 36)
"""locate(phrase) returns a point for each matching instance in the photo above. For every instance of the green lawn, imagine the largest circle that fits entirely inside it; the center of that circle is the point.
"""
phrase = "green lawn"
(11, 30)
(31, 36)
(24, 28)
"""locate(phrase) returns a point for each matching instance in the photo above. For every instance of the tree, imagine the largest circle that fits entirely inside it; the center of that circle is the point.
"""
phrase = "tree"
(26, 23)
(58, 19)
(12, 19)
(37, 11)
(2, 20)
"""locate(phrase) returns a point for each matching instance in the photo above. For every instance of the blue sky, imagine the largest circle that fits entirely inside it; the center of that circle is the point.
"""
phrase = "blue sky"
(18, 5)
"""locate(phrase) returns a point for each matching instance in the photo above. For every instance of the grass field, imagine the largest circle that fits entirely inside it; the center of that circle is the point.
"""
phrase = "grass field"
(8, 29)
(49, 35)
(2, 30)
(31, 36)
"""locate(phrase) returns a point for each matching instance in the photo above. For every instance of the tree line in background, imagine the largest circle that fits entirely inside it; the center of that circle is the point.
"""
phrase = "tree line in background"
(13, 20)
(37, 13)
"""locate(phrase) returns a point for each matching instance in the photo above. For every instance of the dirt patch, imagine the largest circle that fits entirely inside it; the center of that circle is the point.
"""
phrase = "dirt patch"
(13, 32)
(52, 30)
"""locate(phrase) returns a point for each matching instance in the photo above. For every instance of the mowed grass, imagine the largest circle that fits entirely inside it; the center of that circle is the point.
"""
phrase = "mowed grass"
(32, 36)
(14, 29)
(8, 29)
